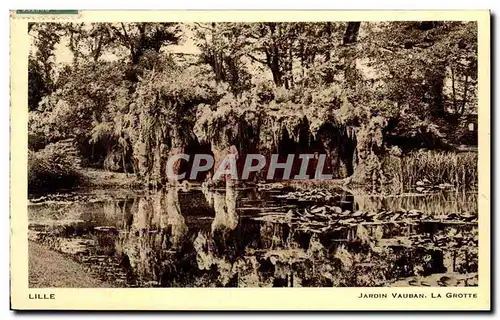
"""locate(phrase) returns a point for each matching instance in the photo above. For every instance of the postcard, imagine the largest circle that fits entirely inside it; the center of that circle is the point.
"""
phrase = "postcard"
(250, 160)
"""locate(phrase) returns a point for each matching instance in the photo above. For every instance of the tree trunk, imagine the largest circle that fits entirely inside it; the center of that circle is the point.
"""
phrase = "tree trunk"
(351, 33)
(436, 92)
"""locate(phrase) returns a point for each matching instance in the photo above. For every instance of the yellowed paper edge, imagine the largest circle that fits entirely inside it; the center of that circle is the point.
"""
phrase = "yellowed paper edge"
(237, 298)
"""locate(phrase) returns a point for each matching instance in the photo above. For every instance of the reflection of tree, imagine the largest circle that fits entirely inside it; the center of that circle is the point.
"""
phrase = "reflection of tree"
(225, 210)
(156, 237)
(367, 203)
(241, 251)
(275, 254)
(220, 248)
(175, 218)
(209, 195)
(110, 209)
(276, 236)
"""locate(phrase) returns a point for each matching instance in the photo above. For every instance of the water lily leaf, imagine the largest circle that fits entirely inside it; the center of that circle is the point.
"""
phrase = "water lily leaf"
(370, 214)
(395, 216)
(414, 213)
(452, 216)
(467, 216)
(348, 221)
(318, 209)
(358, 213)
(445, 186)
(335, 209)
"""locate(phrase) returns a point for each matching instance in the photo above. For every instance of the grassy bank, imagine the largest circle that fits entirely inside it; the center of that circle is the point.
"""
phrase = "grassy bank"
(50, 269)
(50, 170)
(459, 169)
(91, 178)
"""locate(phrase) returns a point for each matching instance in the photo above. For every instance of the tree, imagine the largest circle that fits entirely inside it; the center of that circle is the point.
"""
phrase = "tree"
(344, 88)
(171, 99)
(223, 47)
(139, 38)
(89, 41)
(41, 61)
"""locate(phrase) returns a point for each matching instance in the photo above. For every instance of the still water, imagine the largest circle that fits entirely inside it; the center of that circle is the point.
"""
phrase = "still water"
(264, 238)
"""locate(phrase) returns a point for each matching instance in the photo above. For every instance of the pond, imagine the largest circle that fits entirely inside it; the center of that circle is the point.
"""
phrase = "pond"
(271, 237)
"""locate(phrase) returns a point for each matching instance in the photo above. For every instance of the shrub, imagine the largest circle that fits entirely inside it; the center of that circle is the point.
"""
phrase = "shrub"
(50, 169)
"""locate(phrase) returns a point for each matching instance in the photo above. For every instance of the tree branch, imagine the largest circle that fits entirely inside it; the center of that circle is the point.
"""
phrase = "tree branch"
(256, 59)
(453, 89)
(203, 27)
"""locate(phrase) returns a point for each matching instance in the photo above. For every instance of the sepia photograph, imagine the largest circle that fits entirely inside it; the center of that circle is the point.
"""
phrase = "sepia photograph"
(247, 154)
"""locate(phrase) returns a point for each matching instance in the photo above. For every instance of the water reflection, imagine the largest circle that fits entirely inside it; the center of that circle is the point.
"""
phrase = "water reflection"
(218, 238)
(432, 204)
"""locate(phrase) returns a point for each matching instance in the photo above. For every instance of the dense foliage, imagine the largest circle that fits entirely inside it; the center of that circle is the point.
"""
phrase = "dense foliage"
(52, 168)
(352, 90)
